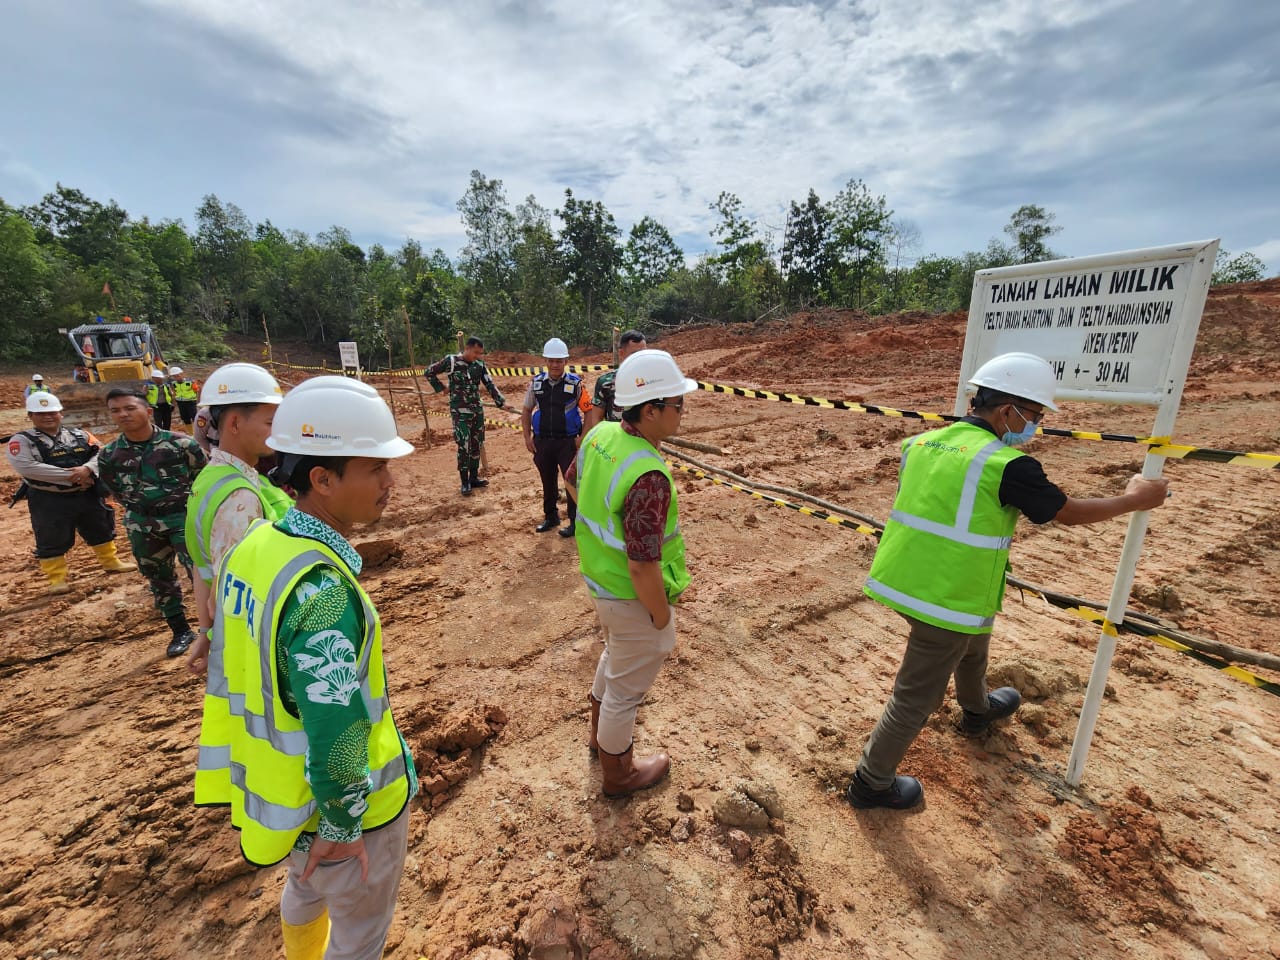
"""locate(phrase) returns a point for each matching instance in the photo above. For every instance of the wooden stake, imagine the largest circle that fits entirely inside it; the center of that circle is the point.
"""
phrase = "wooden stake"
(413, 369)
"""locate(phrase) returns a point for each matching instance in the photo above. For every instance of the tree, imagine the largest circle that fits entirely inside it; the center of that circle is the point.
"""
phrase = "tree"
(25, 277)
(225, 258)
(1238, 269)
(860, 230)
(806, 252)
(539, 301)
(1029, 227)
(650, 255)
(487, 260)
(588, 243)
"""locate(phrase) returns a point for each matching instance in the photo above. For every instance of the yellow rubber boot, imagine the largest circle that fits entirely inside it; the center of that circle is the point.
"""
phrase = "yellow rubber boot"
(110, 562)
(55, 569)
(306, 941)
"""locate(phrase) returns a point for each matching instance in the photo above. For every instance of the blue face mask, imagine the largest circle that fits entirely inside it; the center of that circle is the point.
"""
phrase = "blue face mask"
(1012, 439)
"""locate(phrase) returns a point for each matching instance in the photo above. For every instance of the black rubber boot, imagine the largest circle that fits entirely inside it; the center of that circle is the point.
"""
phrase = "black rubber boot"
(180, 643)
(1000, 704)
(477, 480)
(466, 483)
(903, 794)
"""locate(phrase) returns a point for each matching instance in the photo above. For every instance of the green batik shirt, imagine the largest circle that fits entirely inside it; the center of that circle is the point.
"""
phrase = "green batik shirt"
(324, 606)
(464, 382)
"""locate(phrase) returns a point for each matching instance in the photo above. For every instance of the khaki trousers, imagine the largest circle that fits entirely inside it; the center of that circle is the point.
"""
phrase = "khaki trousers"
(359, 912)
(633, 654)
(933, 656)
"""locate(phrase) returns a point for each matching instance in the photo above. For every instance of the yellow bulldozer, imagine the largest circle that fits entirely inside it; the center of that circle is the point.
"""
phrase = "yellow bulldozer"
(112, 352)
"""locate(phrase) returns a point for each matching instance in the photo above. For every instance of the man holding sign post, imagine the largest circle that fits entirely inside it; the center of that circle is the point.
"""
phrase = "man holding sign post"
(942, 561)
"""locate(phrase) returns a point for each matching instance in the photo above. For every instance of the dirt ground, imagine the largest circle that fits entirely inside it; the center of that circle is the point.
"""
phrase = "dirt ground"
(1167, 850)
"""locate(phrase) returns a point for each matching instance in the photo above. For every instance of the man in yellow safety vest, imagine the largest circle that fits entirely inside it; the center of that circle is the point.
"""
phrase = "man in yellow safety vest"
(942, 560)
(313, 767)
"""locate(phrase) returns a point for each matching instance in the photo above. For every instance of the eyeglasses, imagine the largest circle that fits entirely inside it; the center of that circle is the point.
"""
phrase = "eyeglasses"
(1035, 417)
(678, 405)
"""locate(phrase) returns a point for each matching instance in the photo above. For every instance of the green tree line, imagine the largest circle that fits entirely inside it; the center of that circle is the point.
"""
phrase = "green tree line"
(525, 273)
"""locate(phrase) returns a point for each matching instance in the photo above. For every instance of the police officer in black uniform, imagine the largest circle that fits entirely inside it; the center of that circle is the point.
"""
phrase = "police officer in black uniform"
(552, 423)
(59, 470)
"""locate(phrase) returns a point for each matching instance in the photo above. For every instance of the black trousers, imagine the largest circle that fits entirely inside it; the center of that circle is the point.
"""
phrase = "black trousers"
(552, 458)
(56, 517)
(162, 413)
(187, 410)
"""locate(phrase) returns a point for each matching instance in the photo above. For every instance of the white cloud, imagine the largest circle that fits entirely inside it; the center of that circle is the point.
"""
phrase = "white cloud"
(373, 117)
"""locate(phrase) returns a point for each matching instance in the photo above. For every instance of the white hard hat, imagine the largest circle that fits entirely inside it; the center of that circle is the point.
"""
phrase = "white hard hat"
(175, 371)
(1022, 375)
(555, 349)
(239, 383)
(336, 417)
(649, 375)
(158, 374)
(43, 403)
(36, 376)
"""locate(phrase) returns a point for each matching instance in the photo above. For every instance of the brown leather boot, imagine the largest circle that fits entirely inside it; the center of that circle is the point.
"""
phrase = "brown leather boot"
(623, 774)
(592, 744)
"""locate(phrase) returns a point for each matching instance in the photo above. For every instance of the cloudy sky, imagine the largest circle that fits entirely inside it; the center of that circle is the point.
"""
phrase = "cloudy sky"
(1136, 122)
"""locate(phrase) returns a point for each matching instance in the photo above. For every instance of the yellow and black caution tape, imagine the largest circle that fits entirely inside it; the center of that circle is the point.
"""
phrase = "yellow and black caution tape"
(534, 371)
(1086, 613)
(1162, 446)
(778, 501)
(1114, 630)
(492, 423)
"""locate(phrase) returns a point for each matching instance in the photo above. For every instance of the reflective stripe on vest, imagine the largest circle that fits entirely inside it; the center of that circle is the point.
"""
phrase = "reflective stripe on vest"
(261, 768)
(944, 553)
(211, 489)
(609, 462)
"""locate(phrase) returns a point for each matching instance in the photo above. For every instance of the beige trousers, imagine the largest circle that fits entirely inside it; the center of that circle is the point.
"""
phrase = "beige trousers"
(633, 654)
(359, 912)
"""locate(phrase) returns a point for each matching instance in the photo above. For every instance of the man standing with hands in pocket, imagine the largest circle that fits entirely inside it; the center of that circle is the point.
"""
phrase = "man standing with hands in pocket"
(631, 555)
(316, 772)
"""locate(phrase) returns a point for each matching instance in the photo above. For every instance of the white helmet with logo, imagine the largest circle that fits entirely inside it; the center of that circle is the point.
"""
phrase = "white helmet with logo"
(239, 383)
(1022, 375)
(175, 371)
(649, 375)
(158, 374)
(336, 417)
(43, 403)
(555, 349)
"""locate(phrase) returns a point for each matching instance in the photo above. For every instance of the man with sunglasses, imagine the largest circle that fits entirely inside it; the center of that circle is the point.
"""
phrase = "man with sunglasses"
(631, 554)
(942, 560)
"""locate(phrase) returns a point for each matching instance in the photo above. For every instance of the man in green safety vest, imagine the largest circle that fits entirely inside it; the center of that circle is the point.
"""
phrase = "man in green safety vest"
(160, 396)
(184, 392)
(230, 494)
(631, 554)
(942, 560)
(315, 770)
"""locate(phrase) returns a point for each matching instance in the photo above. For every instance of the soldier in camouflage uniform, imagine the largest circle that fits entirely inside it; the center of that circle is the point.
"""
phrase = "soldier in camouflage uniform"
(466, 372)
(602, 406)
(150, 471)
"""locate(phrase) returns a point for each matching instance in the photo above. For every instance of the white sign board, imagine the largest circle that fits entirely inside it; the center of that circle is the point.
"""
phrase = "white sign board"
(1112, 326)
(350, 355)
(1120, 328)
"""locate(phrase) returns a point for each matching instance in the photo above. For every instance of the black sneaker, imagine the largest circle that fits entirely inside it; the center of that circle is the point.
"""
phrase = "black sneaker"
(1000, 704)
(548, 524)
(180, 644)
(903, 794)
